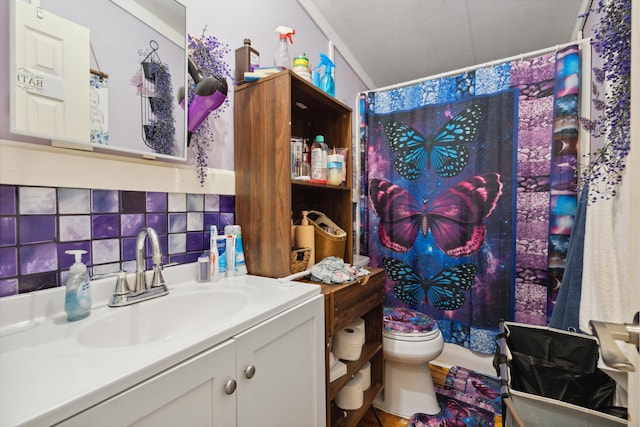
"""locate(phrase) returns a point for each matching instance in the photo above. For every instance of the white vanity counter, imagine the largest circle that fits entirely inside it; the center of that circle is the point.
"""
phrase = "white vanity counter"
(51, 369)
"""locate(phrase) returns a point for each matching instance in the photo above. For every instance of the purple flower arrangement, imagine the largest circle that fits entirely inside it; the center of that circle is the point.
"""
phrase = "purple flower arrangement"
(612, 42)
(208, 55)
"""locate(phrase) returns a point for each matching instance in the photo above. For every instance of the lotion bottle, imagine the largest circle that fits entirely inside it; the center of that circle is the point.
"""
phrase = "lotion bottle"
(77, 301)
(305, 237)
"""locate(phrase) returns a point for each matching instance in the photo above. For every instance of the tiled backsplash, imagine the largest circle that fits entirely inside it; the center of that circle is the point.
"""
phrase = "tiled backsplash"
(38, 224)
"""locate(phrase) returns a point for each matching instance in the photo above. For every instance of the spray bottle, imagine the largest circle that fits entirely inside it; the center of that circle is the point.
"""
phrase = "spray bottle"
(325, 83)
(282, 58)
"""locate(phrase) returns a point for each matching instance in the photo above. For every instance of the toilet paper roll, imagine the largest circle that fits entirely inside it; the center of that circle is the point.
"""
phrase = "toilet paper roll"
(351, 396)
(360, 325)
(347, 343)
(365, 371)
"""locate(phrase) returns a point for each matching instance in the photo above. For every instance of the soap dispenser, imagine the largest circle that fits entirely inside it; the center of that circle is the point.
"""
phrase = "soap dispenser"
(77, 302)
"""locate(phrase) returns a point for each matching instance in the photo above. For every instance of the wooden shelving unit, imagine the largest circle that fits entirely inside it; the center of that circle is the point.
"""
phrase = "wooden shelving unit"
(267, 114)
(344, 304)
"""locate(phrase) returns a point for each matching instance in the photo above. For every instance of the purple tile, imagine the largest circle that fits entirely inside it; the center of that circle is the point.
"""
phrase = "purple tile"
(105, 251)
(133, 201)
(8, 287)
(194, 242)
(105, 226)
(195, 202)
(38, 258)
(227, 204)
(177, 243)
(37, 200)
(8, 262)
(74, 201)
(7, 200)
(212, 203)
(225, 219)
(156, 202)
(36, 282)
(128, 249)
(211, 219)
(177, 222)
(104, 201)
(131, 224)
(65, 260)
(158, 222)
(74, 227)
(179, 258)
(8, 231)
(37, 228)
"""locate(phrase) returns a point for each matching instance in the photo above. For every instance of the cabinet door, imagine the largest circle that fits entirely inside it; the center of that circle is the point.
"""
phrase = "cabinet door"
(189, 394)
(280, 369)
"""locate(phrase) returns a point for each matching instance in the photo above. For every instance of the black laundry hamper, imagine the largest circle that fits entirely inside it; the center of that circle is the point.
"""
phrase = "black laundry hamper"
(550, 377)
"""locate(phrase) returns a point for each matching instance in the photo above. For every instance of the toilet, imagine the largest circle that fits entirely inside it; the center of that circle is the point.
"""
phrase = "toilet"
(410, 340)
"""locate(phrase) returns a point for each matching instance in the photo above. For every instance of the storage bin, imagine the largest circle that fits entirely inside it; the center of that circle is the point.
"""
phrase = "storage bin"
(327, 243)
(550, 377)
(300, 259)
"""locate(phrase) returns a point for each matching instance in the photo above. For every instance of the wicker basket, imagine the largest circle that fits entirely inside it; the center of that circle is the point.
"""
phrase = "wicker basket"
(327, 244)
(300, 259)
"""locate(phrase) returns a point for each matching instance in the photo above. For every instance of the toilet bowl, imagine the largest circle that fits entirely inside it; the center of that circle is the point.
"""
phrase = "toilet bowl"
(410, 340)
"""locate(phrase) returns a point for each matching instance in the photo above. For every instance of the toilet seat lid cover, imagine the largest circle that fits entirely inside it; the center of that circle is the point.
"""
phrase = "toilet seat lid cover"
(404, 320)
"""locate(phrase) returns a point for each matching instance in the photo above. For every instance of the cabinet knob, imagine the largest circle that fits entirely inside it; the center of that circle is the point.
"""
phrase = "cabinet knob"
(230, 387)
(250, 371)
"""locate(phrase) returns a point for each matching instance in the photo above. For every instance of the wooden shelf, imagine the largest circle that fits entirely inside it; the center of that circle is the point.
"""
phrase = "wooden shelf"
(343, 305)
(267, 114)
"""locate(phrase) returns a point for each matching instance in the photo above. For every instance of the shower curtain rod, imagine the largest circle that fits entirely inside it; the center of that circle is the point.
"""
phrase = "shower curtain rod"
(486, 64)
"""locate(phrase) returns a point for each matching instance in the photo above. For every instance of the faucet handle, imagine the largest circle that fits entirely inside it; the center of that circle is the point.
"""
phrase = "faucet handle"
(157, 279)
(122, 286)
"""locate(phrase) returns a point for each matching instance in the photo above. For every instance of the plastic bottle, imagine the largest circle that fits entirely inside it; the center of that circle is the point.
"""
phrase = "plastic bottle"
(203, 273)
(325, 83)
(239, 261)
(282, 58)
(301, 67)
(214, 258)
(77, 301)
(247, 60)
(305, 237)
(319, 152)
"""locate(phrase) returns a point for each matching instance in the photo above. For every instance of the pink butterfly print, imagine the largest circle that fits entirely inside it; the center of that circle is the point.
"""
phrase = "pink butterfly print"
(484, 390)
(454, 216)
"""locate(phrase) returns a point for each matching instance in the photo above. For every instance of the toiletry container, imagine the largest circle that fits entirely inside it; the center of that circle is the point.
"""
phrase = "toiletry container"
(305, 237)
(239, 261)
(247, 60)
(301, 67)
(319, 152)
(77, 301)
(335, 169)
(202, 275)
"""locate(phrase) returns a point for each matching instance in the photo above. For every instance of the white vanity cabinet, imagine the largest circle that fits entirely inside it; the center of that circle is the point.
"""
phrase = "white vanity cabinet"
(272, 374)
(288, 385)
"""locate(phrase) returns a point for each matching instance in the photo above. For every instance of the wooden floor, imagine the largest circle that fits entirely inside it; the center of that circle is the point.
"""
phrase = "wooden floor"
(386, 419)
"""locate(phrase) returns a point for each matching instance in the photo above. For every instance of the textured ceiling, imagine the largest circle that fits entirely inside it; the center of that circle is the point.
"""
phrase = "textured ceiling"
(403, 40)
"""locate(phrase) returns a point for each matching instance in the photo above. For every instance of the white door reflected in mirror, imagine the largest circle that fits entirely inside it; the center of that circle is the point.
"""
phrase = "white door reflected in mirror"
(49, 62)
(116, 40)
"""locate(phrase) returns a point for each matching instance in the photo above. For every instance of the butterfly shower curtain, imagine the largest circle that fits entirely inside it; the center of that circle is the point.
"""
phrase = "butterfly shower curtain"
(469, 192)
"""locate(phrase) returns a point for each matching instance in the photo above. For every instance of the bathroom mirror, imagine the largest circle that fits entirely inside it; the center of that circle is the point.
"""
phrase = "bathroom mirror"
(131, 112)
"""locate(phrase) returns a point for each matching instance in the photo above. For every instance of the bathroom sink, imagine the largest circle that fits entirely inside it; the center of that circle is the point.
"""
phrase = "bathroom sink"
(155, 320)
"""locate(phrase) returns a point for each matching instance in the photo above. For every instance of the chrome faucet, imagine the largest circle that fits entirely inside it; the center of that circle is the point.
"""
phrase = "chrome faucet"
(156, 256)
(142, 291)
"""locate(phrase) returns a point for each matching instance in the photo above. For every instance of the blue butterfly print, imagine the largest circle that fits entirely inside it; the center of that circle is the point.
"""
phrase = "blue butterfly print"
(444, 152)
(444, 289)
